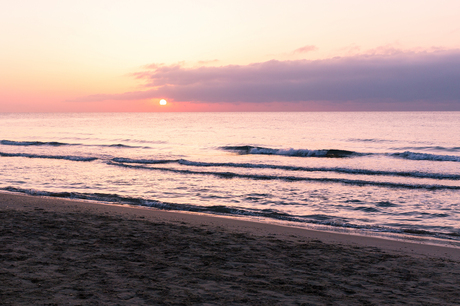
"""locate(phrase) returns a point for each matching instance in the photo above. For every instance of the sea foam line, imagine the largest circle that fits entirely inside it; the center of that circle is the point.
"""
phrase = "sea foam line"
(328, 220)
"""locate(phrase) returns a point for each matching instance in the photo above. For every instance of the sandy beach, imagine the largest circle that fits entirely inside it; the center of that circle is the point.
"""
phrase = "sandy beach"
(63, 252)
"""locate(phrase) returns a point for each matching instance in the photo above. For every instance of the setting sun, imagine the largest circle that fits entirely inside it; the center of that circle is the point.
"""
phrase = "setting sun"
(163, 102)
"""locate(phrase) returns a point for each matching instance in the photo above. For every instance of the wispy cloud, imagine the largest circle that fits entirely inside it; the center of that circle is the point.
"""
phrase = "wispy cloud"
(305, 49)
(393, 75)
(208, 62)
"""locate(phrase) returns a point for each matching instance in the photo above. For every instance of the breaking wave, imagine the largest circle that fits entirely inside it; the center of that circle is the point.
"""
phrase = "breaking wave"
(335, 153)
(291, 152)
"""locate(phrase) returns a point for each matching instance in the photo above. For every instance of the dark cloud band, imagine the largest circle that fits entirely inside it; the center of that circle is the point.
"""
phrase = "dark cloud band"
(402, 77)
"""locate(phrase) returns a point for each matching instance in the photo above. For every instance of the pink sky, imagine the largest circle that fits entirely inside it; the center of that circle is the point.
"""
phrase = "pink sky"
(350, 55)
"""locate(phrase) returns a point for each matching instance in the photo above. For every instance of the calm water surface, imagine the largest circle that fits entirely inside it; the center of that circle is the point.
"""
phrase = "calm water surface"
(390, 174)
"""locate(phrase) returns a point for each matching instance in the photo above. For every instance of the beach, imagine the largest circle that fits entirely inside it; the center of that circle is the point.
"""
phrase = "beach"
(65, 252)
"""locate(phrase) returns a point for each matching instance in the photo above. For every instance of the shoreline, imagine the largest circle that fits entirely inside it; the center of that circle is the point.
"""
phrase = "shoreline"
(22, 201)
(57, 251)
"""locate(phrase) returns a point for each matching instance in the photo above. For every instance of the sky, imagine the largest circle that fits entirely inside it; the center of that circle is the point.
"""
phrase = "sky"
(328, 55)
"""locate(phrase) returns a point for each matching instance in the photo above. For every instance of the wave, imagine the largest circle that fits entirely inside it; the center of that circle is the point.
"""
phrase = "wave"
(84, 158)
(117, 145)
(184, 162)
(143, 161)
(57, 144)
(65, 157)
(438, 176)
(291, 152)
(318, 219)
(370, 140)
(229, 175)
(430, 148)
(33, 143)
(246, 149)
(336, 153)
(425, 156)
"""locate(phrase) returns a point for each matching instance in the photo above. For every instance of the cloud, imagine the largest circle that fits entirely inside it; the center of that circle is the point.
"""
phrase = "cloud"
(208, 62)
(395, 76)
(305, 49)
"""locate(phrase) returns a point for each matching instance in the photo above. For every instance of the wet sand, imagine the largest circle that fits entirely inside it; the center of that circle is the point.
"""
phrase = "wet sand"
(64, 252)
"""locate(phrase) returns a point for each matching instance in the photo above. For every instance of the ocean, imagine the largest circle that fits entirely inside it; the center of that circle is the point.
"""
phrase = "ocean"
(389, 174)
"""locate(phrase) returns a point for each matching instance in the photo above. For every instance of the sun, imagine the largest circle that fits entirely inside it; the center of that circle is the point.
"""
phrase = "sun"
(163, 102)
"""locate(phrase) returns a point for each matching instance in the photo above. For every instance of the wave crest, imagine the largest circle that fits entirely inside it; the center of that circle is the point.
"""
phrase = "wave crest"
(426, 156)
(331, 153)
(33, 143)
(65, 157)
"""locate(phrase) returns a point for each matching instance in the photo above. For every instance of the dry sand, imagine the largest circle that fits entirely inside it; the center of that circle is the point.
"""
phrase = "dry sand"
(63, 252)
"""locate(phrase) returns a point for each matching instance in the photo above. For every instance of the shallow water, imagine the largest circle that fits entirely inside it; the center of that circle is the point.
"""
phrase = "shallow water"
(386, 173)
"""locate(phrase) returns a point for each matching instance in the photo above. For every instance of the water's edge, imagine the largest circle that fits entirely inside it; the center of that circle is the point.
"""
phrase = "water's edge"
(360, 232)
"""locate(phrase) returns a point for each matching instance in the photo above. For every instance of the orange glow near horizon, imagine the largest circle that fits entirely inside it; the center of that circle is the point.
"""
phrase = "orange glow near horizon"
(103, 60)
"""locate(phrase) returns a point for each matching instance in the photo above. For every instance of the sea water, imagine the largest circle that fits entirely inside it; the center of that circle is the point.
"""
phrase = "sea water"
(394, 174)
